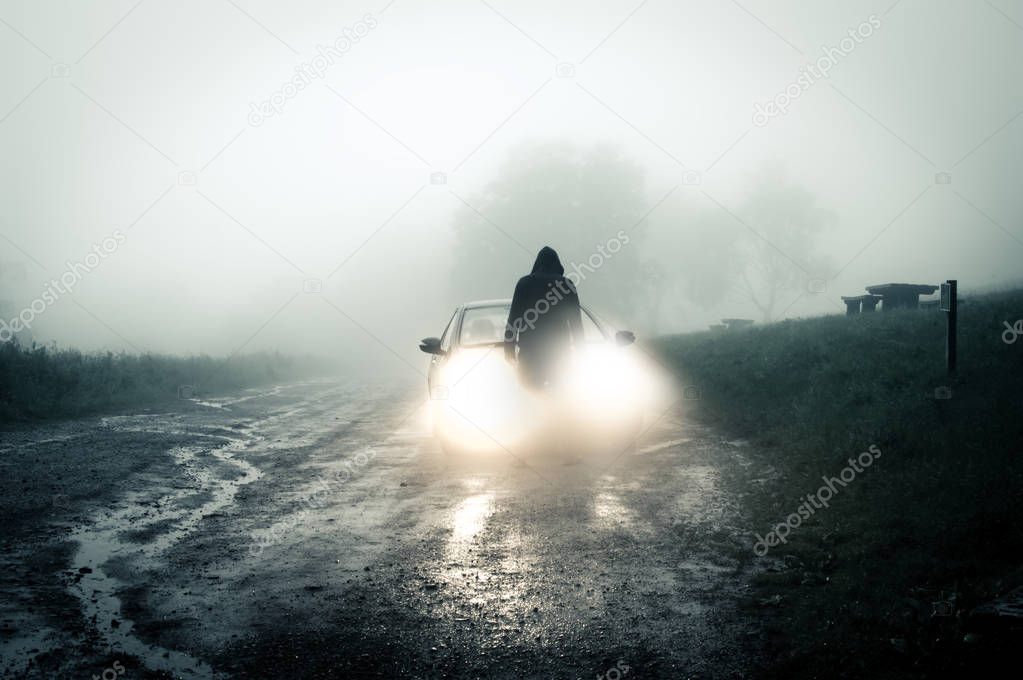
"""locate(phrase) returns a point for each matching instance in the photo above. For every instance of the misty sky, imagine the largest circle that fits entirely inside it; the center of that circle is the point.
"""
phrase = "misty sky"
(105, 104)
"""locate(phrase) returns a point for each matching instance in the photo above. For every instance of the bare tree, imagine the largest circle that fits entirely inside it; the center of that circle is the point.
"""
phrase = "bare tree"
(780, 259)
(572, 198)
(764, 254)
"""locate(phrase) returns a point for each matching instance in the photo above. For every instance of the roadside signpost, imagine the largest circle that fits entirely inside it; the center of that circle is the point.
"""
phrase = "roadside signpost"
(949, 305)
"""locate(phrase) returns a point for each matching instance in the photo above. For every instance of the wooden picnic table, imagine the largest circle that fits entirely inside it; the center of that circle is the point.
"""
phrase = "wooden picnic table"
(854, 303)
(900, 295)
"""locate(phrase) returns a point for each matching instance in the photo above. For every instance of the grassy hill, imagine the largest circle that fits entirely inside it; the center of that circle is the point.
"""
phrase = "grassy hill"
(937, 518)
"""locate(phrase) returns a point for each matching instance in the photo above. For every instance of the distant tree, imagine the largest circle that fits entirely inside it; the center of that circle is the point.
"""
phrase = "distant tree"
(781, 259)
(695, 248)
(12, 275)
(12, 279)
(572, 198)
(761, 251)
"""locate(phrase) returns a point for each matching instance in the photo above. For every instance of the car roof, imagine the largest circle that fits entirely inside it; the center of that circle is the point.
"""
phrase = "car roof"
(500, 302)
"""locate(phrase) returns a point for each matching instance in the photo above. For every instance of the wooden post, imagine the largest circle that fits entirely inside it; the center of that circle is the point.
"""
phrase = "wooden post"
(950, 304)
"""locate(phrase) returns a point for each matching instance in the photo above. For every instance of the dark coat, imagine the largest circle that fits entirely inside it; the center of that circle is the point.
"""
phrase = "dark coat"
(545, 320)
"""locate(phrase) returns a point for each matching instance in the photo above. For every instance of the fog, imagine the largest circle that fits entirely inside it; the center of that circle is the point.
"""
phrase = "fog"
(426, 160)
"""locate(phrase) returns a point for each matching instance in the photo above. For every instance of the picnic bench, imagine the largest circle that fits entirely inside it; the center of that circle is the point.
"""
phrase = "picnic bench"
(854, 304)
(901, 295)
(735, 324)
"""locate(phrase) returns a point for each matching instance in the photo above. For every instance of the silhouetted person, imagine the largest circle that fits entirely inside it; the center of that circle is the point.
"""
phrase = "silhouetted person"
(544, 321)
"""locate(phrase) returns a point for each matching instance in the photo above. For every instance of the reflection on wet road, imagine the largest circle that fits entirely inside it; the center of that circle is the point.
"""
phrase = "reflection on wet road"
(470, 517)
(403, 561)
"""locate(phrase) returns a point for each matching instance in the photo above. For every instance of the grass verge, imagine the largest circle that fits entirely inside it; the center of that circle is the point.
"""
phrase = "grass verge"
(40, 382)
(935, 519)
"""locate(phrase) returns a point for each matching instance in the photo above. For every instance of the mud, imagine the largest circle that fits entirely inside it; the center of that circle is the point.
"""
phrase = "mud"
(316, 530)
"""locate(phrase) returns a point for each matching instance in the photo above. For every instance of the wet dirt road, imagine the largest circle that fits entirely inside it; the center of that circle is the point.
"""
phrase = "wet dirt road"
(316, 530)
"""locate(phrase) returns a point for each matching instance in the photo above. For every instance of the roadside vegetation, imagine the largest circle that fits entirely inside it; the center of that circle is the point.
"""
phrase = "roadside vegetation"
(880, 583)
(45, 382)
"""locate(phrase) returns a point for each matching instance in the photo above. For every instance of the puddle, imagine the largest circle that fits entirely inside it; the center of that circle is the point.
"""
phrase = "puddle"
(608, 507)
(663, 445)
(226, 402)
(100, 543)
(468, 520)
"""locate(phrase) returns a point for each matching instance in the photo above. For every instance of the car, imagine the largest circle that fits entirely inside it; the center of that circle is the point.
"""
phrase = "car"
(479, 403)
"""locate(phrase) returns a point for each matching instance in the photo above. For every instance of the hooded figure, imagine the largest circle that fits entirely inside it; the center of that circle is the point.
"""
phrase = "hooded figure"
(544, 321)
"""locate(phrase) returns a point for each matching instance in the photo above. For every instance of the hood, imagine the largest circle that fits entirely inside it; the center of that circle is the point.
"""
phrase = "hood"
(547, 262)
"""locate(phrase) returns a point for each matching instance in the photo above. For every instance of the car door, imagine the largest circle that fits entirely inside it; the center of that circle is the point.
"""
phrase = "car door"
(437, 361)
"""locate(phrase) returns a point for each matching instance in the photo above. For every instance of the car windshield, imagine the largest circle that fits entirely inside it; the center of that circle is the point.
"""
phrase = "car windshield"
(485, 326)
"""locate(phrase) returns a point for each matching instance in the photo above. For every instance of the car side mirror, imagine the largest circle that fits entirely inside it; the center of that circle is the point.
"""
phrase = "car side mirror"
(624, 338)
(431, 346)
